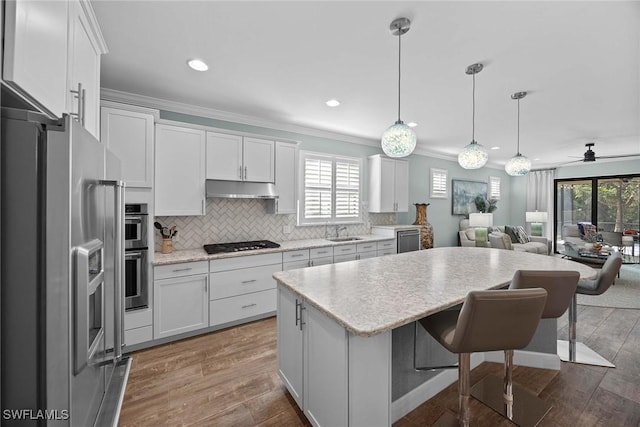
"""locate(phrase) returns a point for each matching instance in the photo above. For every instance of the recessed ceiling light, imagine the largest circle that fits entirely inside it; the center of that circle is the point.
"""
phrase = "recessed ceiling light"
(198, 65)
(495, 147)
(412, 124)
(332, 103)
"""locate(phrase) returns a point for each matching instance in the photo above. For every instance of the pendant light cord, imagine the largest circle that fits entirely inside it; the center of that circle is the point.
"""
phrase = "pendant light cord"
(473, 110)
(399, 73)
(518, 138)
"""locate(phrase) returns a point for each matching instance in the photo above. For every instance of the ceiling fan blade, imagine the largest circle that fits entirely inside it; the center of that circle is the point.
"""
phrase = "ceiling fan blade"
(619, 156)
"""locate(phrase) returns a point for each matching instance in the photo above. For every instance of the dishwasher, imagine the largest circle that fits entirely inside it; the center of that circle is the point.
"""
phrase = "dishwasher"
(408, 240)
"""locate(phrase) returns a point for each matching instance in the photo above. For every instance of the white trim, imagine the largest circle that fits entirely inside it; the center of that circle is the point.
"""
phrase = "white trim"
(129, 107)
(425, 391)
(178, 107)
(94, 25)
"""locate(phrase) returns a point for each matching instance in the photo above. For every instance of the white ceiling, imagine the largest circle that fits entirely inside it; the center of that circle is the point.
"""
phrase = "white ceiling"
(280, 61)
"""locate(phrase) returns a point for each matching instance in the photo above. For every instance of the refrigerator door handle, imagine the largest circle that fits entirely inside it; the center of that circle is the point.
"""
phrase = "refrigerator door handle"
(118, 305)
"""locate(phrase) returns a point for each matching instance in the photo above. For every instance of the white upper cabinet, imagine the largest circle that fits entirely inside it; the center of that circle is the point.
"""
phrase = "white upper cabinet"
(259, 161)
(238, 158)
(35, 52)
(224, 156)
(49, 48)
(83, 76)
(179, 171)
(388, 184)
(128, 132)
(286, 168)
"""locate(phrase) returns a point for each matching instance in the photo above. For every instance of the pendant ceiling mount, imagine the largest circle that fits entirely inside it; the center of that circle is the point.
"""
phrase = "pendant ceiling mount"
(518, 165)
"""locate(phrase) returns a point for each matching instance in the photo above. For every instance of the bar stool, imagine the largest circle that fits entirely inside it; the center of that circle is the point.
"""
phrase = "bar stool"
(488, 321)
(577, 352)
(512, 401)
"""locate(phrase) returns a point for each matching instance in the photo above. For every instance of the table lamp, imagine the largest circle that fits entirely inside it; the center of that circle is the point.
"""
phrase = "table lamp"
(480, 221)
(536, 219)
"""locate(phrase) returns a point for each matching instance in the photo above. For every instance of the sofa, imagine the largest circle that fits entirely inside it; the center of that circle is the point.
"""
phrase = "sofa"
(536, 244)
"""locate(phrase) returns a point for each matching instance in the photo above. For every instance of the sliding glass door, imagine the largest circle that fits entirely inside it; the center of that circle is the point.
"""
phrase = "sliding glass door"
(610, 203)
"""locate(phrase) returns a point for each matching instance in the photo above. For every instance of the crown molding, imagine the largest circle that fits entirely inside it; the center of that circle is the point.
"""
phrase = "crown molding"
(178, 107)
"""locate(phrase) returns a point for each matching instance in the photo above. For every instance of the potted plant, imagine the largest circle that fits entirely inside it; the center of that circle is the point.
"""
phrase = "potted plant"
(485, 205)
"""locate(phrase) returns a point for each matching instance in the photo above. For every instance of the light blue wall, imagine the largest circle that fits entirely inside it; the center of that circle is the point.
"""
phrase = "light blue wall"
(511, 207)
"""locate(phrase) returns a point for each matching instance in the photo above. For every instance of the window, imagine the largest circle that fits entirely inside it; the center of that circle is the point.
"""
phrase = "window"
(330, 189)
(438, 184)
(494, 188)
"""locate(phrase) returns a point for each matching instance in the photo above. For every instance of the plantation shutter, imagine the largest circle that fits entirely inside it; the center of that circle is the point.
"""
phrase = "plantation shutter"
(347, 189)
(494, 187)
(317, 188)
(439, 183)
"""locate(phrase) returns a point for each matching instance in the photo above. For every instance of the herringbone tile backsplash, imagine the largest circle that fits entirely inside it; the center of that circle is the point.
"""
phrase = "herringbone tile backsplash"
(236, 220)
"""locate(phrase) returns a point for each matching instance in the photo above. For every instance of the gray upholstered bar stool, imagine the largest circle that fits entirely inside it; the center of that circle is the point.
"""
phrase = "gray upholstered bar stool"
(573, 351)
(512, 401)
(487, 321)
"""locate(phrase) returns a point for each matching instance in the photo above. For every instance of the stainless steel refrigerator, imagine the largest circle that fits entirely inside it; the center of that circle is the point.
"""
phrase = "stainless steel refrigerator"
(62, 258)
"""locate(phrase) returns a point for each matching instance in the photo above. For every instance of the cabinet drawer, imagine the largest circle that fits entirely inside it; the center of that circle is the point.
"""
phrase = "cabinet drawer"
(342, 258)
(321, 261)
(237, 282)
(365, 255)
(236, 263)
(235, 308)
(138, 318)
(386, 252)
(182, 269)
(138, 335)
(344, 250)
(292, 265)
(386, 245)
(295, 255)
(366, 247)
(321, 252)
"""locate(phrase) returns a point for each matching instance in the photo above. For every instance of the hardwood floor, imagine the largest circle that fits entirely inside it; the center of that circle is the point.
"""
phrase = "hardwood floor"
(229, 378)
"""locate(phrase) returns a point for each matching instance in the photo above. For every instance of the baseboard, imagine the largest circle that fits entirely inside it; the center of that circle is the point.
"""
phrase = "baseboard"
(425, 391)
(527, 358)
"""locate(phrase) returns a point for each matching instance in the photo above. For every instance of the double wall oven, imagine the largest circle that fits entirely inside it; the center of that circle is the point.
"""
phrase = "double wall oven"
(136, 219)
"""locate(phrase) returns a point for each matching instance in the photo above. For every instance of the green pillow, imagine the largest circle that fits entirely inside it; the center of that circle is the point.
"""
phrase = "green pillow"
(510, 230)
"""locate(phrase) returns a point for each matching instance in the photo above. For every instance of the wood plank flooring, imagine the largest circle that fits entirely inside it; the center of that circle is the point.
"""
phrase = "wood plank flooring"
(229, 378)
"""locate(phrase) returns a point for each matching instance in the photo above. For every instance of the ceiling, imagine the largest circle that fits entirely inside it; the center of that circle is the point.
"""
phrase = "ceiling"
(279, 62)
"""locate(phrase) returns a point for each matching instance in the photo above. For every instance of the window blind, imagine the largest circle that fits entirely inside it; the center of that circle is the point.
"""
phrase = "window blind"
(439, 183)
(494, 187)
(347, 189)
(317, 188)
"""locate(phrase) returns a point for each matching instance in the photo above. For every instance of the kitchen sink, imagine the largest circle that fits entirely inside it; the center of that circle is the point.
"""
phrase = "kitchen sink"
(344, 239)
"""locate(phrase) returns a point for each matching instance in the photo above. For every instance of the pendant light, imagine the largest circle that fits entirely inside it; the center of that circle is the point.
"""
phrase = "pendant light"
(399, 140)
(473, 156)
(518, 165)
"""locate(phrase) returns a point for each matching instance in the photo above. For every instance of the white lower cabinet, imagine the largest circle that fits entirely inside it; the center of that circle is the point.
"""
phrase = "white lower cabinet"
(180, 301)
(138, 326)
(335, 377)
(386, 247)
(242, 287)
(366, 250)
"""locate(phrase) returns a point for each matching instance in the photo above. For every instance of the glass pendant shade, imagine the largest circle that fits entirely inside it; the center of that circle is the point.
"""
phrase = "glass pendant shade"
(518, 165)
(399, 140)
(473, 156)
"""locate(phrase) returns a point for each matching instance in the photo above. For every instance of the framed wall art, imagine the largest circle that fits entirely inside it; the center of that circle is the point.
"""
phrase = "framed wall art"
(464, 194)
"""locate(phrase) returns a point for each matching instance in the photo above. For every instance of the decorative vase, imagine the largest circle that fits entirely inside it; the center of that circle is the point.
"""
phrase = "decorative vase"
(426, 230)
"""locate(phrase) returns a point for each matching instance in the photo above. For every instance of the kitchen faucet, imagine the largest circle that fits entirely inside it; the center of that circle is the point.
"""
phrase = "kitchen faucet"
(339, 229)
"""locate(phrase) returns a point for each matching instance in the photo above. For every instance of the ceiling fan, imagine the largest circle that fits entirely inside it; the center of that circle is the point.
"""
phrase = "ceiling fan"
(590, 155)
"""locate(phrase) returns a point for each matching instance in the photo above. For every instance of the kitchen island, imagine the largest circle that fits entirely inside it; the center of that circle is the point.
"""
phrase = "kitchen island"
(336, 324)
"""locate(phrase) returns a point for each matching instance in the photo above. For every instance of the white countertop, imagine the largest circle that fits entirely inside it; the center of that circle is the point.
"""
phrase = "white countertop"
(189, 255)
(374, 295)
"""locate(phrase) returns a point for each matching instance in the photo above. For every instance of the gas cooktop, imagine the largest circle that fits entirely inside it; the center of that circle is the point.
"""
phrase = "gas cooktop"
(218, 248)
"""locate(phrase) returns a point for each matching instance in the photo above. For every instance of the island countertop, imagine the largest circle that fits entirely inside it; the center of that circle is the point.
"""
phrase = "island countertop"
(372, 296)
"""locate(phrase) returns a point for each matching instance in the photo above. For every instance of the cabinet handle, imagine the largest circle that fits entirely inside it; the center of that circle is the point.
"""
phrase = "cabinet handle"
(249, 305)
(182, 269)
(205, 287)
(240, 172)
(311, 263)
(79, 95)
(322, 252)
(357, 256)
(245, 172)
(296, 255)
(244, 282)
(345, 249)
(83, 109)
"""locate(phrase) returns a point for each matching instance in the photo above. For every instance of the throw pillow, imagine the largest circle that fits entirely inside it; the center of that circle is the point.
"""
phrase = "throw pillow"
(590, 232)
(510, 230)
(521, 234)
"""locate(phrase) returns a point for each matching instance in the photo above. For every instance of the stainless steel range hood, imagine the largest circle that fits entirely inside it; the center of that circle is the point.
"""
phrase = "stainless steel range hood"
(240, 190)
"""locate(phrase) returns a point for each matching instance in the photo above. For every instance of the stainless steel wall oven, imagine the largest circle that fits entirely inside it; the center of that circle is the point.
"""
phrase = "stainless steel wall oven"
(135, 257)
